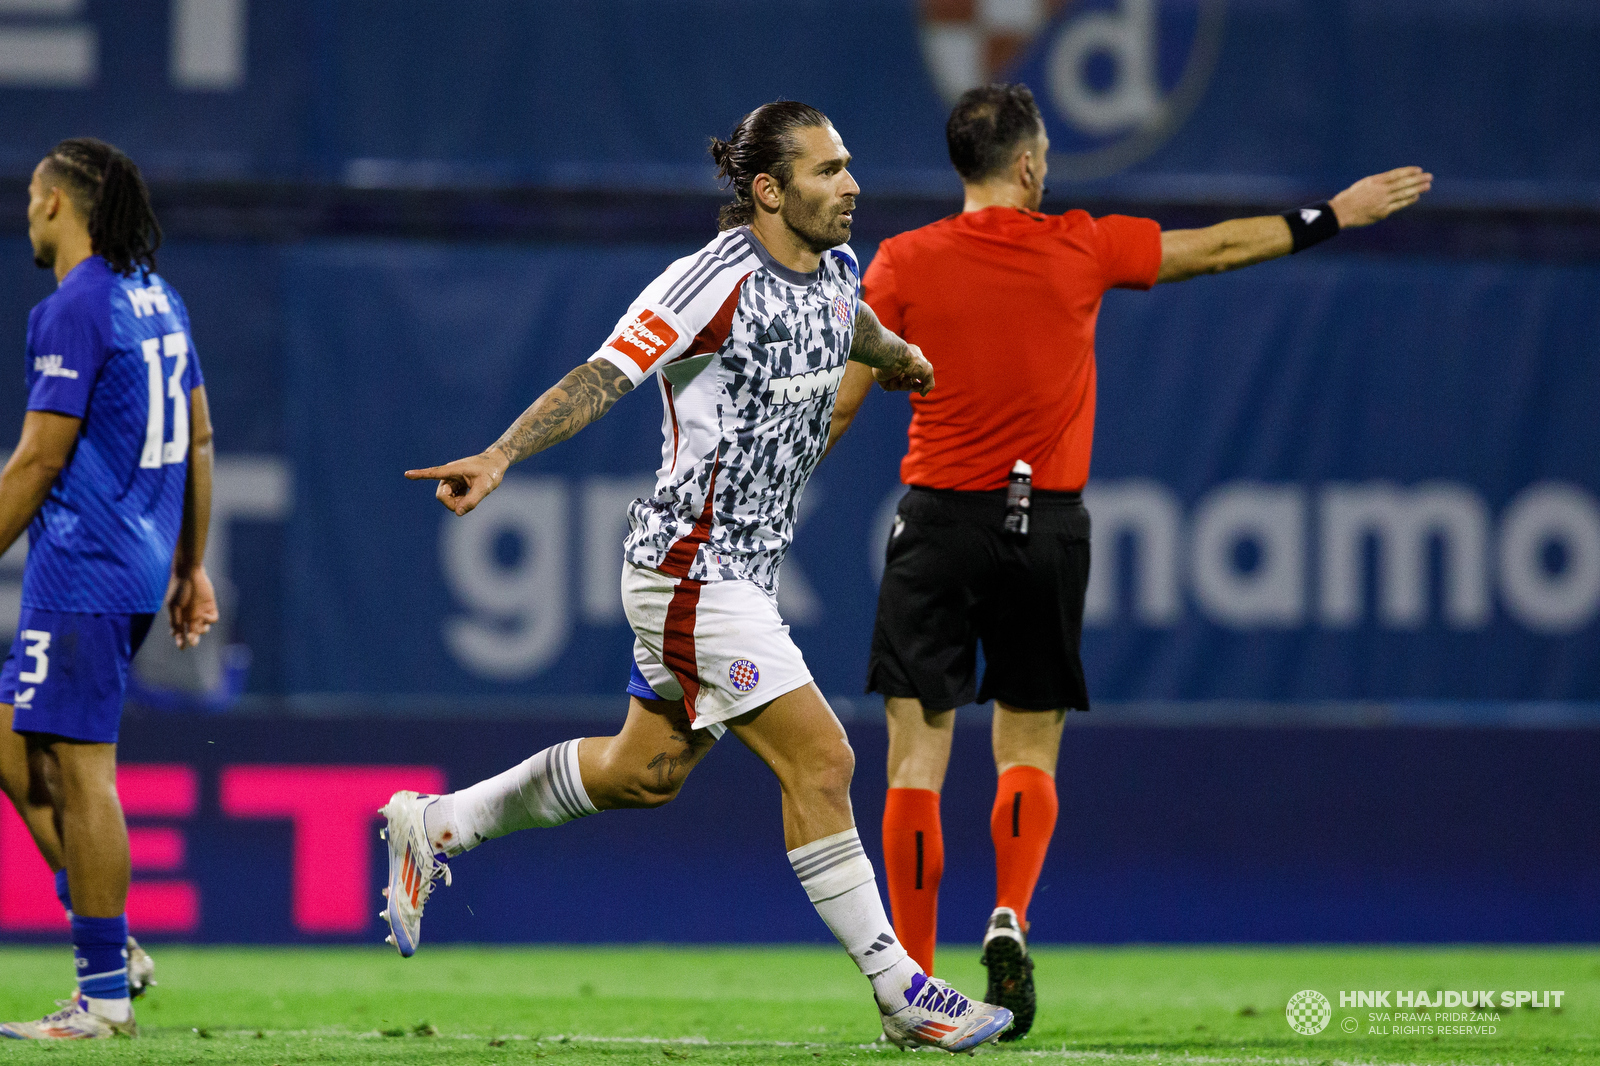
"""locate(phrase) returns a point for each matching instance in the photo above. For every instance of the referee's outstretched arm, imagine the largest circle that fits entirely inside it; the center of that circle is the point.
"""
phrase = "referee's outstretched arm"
(1240, 242)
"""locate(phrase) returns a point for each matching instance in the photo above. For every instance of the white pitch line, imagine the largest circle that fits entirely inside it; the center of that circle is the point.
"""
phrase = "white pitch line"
(1062, 1054)
(1073, 1054)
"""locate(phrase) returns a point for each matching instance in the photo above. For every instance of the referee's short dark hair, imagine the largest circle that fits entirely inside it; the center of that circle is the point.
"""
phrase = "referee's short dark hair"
(987, 125)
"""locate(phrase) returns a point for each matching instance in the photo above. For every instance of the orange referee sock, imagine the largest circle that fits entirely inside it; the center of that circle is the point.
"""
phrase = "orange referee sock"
(1022, 822)
(913, 855)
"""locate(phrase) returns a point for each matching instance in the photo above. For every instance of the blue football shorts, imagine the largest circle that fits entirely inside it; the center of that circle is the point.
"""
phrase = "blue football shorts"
(68, 670)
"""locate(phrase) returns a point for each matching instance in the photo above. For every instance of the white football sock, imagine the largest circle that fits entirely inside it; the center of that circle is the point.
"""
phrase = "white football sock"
(544, 791)
(112, 1010)
(439, 822)
(840, 883)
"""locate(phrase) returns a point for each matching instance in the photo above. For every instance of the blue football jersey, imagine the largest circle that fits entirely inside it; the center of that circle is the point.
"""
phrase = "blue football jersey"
(115, 352)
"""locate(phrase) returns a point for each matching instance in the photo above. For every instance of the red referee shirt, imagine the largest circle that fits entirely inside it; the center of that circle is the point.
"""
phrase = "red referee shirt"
(1003, 302)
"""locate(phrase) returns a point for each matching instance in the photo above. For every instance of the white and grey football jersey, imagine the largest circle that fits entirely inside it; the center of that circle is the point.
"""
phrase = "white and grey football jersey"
(749, 355)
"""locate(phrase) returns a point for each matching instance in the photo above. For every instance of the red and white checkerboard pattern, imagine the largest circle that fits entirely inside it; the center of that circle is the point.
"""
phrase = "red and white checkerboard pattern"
(743, 675)
(974, 42)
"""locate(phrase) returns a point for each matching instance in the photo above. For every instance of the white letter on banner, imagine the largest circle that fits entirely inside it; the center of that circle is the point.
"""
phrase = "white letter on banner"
(208, 44)
(1551, 602)
(1128, 37)
(1147, 512)
(1403, 521)
(1271, 594)
(518, 625)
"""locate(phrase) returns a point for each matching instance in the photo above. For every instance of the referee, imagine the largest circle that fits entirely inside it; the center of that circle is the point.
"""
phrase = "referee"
(1003, 301)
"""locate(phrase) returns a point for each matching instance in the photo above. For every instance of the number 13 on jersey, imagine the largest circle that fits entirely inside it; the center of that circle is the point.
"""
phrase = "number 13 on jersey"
(158, 451)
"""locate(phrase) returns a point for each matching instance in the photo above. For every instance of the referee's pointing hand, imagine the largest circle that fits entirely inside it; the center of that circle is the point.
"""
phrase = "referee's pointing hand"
(1375, 198)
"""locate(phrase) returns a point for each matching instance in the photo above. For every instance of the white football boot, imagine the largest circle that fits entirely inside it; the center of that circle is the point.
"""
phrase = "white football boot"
(936, 1015)
(72, 1022)
(412, 869)
(141, 970)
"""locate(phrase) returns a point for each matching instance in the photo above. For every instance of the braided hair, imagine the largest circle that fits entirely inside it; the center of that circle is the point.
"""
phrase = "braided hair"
(106, 188)
(762, 143)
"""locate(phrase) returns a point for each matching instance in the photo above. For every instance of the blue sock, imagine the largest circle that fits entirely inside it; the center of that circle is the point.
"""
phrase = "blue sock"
(63, 893)
(101, 947)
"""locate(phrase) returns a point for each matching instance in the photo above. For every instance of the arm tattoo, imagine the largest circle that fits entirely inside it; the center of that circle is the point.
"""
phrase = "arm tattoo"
(876, 346)
(572, 403)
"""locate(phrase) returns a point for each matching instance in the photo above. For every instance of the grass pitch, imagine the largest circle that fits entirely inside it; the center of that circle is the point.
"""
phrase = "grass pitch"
(661, 1005)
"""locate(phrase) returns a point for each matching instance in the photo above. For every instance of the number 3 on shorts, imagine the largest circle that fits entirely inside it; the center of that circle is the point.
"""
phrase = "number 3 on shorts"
(38, 642)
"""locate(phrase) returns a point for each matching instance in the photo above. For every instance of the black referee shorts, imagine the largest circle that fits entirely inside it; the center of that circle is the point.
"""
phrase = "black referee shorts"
(954, 577)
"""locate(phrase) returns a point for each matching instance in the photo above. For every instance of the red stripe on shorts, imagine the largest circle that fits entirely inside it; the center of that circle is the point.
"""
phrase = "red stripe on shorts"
(677, 641)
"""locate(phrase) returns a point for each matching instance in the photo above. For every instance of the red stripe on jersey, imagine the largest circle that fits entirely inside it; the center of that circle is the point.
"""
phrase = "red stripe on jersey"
(715, 334)
(666, 390)
(681, 555)
(677, 641)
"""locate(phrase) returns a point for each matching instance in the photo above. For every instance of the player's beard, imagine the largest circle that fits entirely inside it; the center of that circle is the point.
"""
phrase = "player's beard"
(816, 222)
(44, 256)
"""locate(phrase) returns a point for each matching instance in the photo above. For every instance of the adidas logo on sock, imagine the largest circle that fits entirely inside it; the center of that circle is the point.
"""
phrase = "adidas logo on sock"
(884, 941)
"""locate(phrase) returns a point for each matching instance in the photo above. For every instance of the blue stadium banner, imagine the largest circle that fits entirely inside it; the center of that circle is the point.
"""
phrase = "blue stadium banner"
(259, 830)
(1325, 479)
(1171, 98)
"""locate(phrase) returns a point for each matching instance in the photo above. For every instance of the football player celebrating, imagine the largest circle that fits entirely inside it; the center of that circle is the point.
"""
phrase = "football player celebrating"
(748, 340)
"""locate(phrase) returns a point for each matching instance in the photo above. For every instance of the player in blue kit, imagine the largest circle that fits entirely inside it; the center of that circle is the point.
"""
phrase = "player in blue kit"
(112, 481)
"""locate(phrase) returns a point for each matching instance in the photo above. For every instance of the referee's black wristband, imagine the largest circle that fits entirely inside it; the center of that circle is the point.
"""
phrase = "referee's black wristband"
(1311, 225)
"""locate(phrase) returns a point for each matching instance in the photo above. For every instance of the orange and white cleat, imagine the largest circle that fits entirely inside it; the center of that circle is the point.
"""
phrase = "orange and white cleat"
(936, 1015)
(413, 870)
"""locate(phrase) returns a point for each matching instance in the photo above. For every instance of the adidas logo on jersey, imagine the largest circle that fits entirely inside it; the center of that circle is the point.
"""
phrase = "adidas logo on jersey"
(50, 366)
(802, 388)
(149, 300)
(775, 333)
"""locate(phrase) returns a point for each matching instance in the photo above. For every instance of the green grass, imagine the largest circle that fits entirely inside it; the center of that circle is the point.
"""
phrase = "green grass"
(660, 1005)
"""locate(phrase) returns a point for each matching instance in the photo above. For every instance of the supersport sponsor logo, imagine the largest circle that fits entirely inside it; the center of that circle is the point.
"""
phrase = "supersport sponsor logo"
(645, 339)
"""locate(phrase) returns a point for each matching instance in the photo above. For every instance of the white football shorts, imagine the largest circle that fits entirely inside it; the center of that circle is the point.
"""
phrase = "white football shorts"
(720, 646)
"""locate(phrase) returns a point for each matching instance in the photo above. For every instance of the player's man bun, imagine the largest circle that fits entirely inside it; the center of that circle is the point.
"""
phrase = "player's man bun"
(987, 125)
(762, 143)
(107, 189)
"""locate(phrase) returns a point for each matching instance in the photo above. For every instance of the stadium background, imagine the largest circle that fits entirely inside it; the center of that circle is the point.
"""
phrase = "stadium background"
(1344, 632)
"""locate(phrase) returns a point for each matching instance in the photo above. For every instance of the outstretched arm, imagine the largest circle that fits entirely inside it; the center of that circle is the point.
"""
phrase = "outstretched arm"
(1241, 242)
(586, 393)
(898, 366)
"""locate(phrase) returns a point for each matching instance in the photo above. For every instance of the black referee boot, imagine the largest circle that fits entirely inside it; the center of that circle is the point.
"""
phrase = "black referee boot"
(1005, 955)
